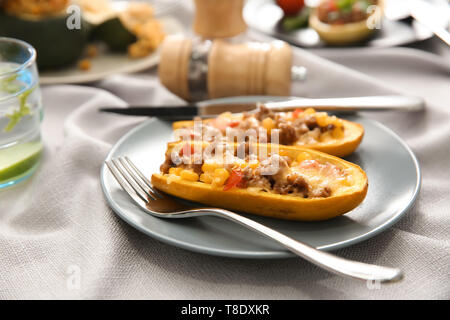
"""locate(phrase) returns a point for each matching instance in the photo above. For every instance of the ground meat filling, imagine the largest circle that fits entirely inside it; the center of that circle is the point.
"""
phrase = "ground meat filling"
(324, 192)
(293, 184)
(289, 131)
(297, 130)
(167, 164)
(288, 134)
(264, 112)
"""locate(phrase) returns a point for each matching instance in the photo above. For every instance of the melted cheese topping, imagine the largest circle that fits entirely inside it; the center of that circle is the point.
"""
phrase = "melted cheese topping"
(320, 175)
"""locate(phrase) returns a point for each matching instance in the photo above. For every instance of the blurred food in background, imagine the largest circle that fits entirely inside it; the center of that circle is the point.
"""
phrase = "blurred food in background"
(296, 14)
(338, 22)
(291, 7)
(61, 37)
(344, 11)
(133, 27)
(35, 7)
(342, 22)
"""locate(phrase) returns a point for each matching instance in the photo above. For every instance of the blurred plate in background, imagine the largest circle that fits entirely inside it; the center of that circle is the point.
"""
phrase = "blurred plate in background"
(161, 7)
(265, 16)
(108, 63)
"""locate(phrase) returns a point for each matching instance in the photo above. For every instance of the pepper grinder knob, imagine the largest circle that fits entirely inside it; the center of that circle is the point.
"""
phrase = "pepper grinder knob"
(218, 18)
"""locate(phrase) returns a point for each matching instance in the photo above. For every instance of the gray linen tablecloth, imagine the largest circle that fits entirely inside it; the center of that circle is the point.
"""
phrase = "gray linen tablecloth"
(59, 239)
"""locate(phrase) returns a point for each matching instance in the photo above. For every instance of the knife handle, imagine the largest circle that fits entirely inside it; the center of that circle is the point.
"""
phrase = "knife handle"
(168, 112)
(376, 103)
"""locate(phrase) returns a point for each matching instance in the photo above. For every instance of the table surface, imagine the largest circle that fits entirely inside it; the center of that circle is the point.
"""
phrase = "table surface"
(59, 239)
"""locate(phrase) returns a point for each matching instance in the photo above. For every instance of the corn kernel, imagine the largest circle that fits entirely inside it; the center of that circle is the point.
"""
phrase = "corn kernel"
(268, 124)
(326, 136)
(338, 123)
(303, 156)
(253, 164)
(210, 166)
(173, 178)
(206, 178)
(240, 164)
(220, 176)
(175, 171)
(338, 132)
(310, 111)
(322, 119)
(189, 175)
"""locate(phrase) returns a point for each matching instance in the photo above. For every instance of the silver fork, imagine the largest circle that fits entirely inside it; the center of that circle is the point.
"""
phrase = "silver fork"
(158, 204)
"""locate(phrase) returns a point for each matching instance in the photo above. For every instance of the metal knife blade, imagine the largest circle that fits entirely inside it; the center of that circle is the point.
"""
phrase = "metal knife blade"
(211, 108)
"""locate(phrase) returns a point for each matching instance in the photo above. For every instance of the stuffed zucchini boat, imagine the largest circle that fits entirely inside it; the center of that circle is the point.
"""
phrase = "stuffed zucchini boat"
(43, 24)
(287, 183)
(299, 128)
(342, 22)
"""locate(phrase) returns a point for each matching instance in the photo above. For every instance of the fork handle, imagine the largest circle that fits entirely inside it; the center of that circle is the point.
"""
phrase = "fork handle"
(325, 260)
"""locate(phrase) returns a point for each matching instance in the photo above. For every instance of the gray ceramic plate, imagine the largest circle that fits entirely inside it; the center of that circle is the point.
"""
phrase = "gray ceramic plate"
(391, 167)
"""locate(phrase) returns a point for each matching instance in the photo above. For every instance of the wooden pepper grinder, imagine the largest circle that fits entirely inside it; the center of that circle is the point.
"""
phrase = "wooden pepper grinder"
(210, 66)
(197, 70)
(250, 68)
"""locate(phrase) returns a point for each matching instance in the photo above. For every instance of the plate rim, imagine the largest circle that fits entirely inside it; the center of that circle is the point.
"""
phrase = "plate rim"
(272, 254)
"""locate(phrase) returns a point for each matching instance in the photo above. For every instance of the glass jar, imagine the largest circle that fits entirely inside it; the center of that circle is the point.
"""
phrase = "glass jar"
(20, 112)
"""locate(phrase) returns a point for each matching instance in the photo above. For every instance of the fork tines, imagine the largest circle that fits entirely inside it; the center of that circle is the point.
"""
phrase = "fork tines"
(132, 179)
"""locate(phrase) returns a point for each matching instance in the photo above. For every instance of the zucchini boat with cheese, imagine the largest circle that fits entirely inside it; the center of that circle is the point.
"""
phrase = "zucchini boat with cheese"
(343, 22)
(299, 128)
(264, 179)
(43, 24)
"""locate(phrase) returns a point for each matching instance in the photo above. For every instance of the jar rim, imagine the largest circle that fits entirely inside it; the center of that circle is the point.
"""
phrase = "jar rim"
(27, 48)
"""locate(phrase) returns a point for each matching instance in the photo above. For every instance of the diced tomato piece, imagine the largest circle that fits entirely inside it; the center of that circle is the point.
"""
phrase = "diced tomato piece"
(188, 149)
(296, 113)
(234, 123)
(333, 5)
(235, 180)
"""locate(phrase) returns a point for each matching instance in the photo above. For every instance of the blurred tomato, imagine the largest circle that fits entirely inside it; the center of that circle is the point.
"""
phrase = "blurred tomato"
(291, 7)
